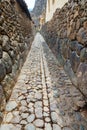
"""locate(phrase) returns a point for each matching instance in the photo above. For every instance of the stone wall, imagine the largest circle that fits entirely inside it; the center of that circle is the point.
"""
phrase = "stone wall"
(15, 41)
(66, 35)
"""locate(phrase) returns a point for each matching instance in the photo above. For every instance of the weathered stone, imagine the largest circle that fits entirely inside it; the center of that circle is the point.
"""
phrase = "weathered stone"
(48, 126)
(5, 44)
(45, 114)
(38, 104)
(1, 93)
(30, 127)
(83, 55)
(16, 120)
(17, 127)
(81, 77)
(23, 122)
(73, 45)
(85, 24)
(11, 105)
(74, 60)
(1, 20)
(7, 127)
(66, 128)
(24, 115)
(39, 123)
(38, 112)
(47, 119)
(23, 109)
(56, 127)
(8, 63)
(38, 96)
(31, 118)
(39, 129)
(1, 52)
(69, 71)
(8, 117)
(79, 47)
(2, 70)
(82, 36)
(54, 117)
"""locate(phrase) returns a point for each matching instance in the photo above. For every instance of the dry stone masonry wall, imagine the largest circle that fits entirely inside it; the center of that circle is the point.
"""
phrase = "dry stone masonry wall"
(66, 35)
(15, 41)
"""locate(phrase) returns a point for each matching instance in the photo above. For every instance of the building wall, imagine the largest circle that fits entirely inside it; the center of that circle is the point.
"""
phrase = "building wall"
(52, 5)
(66, 35)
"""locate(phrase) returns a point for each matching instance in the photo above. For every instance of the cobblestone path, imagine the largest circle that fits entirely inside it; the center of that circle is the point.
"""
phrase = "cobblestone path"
(43, 97)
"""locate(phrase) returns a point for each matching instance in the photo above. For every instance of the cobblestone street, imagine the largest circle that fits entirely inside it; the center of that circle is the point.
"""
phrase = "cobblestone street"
(43, 97)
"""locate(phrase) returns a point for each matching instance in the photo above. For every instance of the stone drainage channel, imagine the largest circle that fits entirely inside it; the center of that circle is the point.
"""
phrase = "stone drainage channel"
(33, 104)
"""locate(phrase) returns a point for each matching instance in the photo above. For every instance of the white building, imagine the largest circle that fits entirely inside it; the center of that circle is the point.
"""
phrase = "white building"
(52, 5)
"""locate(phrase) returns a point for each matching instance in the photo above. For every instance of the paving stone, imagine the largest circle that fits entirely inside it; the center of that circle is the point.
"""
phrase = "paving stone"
(46, 103)
(8, 117)
(23, 109)
(31, 118)
(11, 105)
(23, 122)
(46, 109)
(47, 119)
(30, 127)
(17, 127)
(31, 110)
(15, 113)
(30, 105)
(56, 127)
(24, 115)
(57, 119)
(66, 128)
(38, 96)
(38, 104)
(39, 129)
(21, 97)
(39, 123)
(6, 127)
(23, 102)
(45, 114)
(38, 112)
(48, 126)
(16, 119)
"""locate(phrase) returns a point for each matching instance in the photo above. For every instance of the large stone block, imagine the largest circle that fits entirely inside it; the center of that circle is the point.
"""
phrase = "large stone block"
(8, 84)
(65, 50)
(69, 71)
(2, 70)
(1, 93)
(60, 57)
(7, 61)
(82, 36)
(83, 55)
(1, 52)
(74, 60)
(5, 44)
(82, 78)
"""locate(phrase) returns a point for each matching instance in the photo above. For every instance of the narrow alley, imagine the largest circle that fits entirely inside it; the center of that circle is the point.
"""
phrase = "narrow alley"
(43, 97)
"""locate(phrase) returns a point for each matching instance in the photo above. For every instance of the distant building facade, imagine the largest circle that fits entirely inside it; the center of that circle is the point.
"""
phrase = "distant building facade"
(51, 7)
